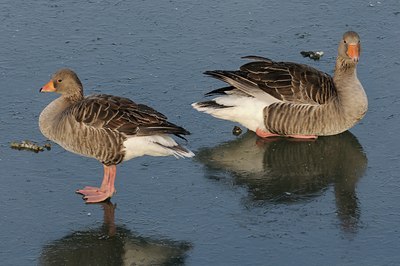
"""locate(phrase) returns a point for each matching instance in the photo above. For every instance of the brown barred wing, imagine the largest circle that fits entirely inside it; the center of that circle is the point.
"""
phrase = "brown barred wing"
(290, 82)
(124, 116)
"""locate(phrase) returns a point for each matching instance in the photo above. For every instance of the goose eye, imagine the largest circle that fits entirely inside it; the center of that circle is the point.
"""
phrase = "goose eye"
(60, 80)
(344, 41)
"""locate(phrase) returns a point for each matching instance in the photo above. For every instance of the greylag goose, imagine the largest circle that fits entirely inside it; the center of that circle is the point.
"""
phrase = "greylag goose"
(289, 99)
(108, 128)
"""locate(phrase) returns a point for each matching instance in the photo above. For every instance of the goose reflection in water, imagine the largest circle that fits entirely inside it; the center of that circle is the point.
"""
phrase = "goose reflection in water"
(112, 245)
(285, 170)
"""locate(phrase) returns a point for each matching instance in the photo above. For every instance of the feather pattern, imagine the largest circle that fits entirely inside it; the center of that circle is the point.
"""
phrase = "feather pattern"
(293, 99)
(122, 115)
(100, 126)
(108, 128)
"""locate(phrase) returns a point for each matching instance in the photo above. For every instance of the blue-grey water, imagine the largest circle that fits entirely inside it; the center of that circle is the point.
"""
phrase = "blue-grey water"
(241, 200)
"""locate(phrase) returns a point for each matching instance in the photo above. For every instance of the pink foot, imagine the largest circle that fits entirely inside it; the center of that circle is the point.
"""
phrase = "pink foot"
(87, 190)
(94, 194)
(98, 196)
(265, 134)
(303, 136)
(107, 189)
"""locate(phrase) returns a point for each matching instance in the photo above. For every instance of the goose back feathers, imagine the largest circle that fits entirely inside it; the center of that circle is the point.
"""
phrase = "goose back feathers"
(103, 126)
(286, 98)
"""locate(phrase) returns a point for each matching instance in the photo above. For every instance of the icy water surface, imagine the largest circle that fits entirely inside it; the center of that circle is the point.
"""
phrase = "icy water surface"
(241, 200)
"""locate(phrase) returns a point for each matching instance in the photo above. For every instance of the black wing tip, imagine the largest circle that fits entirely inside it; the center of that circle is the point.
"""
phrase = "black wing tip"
(211, 104)
(219, 73)
(181, 137)
(182, 132)
(223, 74)
(257, 58)
(213, 73)
(168, 128)
(220, 91)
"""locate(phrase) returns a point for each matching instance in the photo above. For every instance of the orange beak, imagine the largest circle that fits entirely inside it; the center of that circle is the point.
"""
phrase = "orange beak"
(49, 87)
(353, 51)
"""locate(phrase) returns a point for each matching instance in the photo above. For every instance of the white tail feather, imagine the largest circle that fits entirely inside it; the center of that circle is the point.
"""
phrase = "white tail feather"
(248, 111)
(156, 145)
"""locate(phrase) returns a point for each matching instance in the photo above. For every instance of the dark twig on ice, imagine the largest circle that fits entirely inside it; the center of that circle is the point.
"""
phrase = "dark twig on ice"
(29, 146)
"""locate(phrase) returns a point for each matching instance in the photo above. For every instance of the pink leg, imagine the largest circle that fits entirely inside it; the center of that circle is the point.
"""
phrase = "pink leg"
(89, 189)
(266, 134)
(107, 189)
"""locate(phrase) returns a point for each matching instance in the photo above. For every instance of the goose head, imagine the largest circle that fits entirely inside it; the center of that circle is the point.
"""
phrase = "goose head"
(350, 47)
(66, 82)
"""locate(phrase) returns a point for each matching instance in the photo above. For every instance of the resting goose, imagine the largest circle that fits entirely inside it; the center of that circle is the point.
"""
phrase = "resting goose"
(289, 99)
(108, 128)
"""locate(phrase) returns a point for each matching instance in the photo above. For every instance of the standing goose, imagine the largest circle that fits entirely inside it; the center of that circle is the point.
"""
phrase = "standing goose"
(289, 99)
(108, 128)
